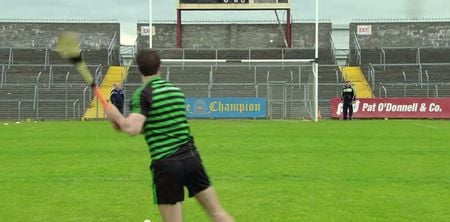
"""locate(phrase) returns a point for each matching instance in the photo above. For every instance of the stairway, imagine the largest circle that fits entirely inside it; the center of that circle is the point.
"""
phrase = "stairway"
(356, 76)
(115, 74)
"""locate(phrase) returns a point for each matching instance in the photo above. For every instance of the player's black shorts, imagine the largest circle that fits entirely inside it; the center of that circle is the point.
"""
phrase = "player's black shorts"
(181, 169)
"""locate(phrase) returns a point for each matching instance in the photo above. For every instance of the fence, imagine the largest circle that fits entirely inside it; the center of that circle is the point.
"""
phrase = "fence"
(52, 94)
(397, 55)
(429, 90)
(423, 74)
(48, 56)
(20, 110)
(284, 100)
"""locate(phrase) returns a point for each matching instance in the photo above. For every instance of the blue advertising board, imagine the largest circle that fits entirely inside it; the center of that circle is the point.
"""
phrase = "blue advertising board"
(226, 107)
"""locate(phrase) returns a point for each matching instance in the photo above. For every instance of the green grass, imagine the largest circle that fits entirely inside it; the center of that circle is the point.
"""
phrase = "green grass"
(263, 171)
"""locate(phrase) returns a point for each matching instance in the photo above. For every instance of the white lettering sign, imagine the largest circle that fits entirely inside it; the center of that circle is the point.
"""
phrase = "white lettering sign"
(364, 30)
(145, 30)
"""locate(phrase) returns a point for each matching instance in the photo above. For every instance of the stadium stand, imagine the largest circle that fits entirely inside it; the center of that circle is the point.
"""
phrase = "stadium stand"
(403, 58)
(36, 83)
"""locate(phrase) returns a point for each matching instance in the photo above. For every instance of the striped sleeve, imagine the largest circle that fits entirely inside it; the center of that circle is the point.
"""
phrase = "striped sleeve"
(141, 101)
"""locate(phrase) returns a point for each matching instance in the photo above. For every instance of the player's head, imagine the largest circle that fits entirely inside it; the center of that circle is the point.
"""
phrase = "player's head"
(348, 83)
(117, 86)
(148, 62)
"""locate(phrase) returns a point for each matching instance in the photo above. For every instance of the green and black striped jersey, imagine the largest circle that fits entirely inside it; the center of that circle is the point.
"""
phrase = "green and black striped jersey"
(166, 127)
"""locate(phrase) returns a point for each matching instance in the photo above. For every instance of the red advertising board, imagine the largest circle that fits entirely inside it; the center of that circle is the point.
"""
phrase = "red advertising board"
(400, 108)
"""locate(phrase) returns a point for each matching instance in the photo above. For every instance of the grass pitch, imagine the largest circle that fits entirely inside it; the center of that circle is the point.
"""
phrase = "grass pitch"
(262, 170)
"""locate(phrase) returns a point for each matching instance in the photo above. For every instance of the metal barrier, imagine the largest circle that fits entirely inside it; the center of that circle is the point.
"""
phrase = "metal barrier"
(3, 77)
(287, 100)
(357, 49)
(431, 90)
(98, 74)
(47, 58)
(20, 113)
(332, 49)
(413, 51)
(383, 58)
(292, 97)
(11, 57)
(111, 47)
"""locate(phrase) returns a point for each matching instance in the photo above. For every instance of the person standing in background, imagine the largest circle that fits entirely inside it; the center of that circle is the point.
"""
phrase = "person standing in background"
(348, 97)
(117, 97)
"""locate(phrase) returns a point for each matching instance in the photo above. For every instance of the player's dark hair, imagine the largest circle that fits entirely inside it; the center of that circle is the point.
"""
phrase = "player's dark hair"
(148, 62)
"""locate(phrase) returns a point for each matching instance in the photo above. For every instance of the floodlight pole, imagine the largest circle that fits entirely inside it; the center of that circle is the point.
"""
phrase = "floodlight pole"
(150, 22)
(316, 67)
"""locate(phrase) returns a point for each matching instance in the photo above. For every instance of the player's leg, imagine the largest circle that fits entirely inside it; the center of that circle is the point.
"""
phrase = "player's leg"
(345, 109)
(199, 186)
(350, 111)
(168, 189)
(171, 212)
(210, 202)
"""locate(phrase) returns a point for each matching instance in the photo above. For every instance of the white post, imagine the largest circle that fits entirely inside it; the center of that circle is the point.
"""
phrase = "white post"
(150, 22)
(316, 67)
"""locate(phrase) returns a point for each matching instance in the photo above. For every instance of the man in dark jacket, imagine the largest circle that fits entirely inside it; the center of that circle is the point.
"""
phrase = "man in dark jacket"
(348, 97)
(117, 97)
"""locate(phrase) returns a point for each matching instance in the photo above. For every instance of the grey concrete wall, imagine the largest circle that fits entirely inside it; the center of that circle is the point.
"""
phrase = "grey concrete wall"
(44, 35)
(236, 36)
(404, 34)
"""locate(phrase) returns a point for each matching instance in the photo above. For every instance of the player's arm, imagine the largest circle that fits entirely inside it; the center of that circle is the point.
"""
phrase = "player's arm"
(132, 124)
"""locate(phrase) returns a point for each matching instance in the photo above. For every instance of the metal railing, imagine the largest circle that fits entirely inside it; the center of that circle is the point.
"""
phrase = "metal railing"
(74, 105)
(85, 89)
(405, 89)
(383, 57)
(3, 77)
(11, 57)
(407, 77)
(332, 49)
(36, 93)
(111, 48)
(382, 87)
(35, 109)
(196, 53)
(254, 84)
(428, 81)
(46, 58)
(418, 60)
(417, 52)
(68, 109)
(436, 91)
(372, 75)
(420, 74)
(98, 74)
(357, 49)
(47, 51)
